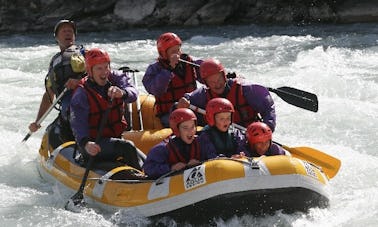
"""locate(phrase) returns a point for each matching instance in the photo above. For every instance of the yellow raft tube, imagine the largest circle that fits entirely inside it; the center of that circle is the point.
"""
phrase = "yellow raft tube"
(216, 188)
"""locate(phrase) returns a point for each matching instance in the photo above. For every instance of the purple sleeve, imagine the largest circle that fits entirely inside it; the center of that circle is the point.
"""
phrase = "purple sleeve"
(206, 153)
(79, 112)
(240, 142)
(199, 77)
(259, 98)
(198, 98)
(206, 146)
(122, 80)
(156, 163)
(156, 79)
(245, 148)
(275, 149)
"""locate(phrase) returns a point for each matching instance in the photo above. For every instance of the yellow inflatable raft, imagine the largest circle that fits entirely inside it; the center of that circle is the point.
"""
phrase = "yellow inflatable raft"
(216, 188)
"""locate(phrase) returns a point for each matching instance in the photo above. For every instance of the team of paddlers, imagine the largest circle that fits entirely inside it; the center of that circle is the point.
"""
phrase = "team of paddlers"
(92, 99)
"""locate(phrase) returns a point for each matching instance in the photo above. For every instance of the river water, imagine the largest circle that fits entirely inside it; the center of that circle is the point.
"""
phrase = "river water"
(337, 63)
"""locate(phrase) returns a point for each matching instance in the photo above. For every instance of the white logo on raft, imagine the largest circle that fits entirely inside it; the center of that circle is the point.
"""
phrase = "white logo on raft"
(194, 177)
(309, 169)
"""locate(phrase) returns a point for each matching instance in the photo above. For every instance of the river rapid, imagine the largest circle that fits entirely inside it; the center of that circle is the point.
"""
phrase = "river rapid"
(337, 63)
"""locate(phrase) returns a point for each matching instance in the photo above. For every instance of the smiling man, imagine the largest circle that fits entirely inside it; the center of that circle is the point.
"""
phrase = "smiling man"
(66, 69)
(102, 90)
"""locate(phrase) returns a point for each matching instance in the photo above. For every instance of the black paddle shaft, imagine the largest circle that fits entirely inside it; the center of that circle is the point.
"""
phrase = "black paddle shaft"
(78, 197)
(46, 113)
(296, 97)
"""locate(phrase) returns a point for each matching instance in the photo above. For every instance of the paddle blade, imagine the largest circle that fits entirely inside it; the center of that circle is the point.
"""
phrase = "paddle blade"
(76, 203)
(296, 97)
(329, 164)
(26, 137)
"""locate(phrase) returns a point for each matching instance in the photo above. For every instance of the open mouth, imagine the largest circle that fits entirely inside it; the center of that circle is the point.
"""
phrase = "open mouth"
(190, 138)
(224, 127)
(103, 78)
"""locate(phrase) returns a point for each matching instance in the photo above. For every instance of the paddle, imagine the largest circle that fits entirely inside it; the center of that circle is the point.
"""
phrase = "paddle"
(139, 111)
(296, 97)
(77, 200)
(329, 164)
(46, 113)
(130, 118)
(127, 69)
(138, 106)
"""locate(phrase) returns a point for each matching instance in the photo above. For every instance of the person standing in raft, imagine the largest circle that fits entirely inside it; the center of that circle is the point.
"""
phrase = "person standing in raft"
(259, 141)
(180, 150)
(169, 79)
(100, 90)
(65, 70)
(249, 100)
(217, 137)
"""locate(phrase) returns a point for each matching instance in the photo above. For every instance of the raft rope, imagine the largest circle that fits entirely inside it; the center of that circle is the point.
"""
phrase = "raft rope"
(98, 178)
(250, 163)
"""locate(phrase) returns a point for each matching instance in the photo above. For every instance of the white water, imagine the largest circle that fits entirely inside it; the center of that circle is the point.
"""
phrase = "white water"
(338, 63)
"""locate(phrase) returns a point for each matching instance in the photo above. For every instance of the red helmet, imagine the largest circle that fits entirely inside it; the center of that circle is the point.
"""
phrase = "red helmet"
(95, 56)
(258, 132)
(166, 41)
(178, 116)
(217, 105)
(210, 67)
(61, 22)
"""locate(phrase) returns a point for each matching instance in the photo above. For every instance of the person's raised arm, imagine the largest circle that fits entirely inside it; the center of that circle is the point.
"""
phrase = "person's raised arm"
(46, 102)
(156, 79)
(122, 80)
(260, 99)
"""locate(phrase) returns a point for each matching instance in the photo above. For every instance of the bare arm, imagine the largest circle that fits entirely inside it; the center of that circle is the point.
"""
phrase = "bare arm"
(46, 102)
